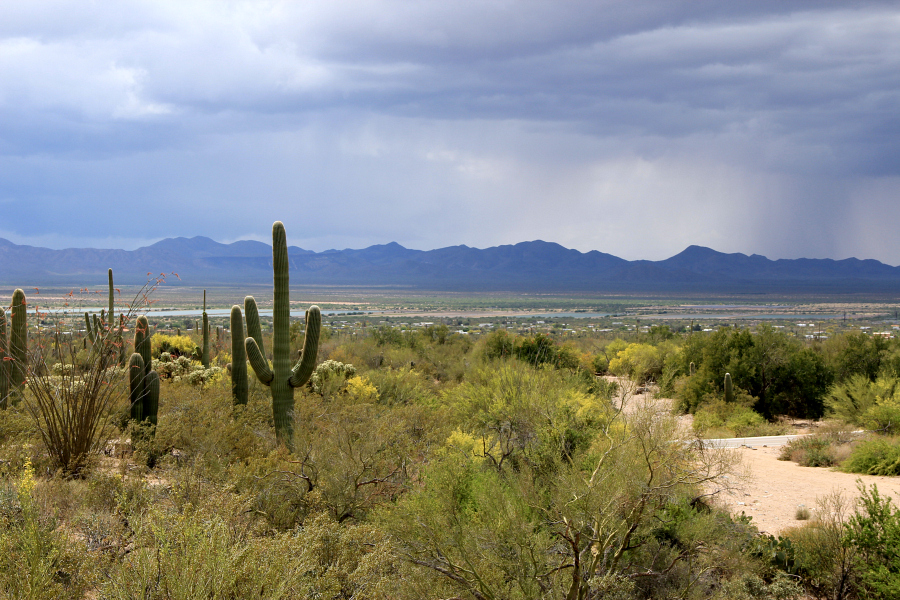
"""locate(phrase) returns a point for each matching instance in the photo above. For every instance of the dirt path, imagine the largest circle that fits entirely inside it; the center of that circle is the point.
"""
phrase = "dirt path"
(776, 488)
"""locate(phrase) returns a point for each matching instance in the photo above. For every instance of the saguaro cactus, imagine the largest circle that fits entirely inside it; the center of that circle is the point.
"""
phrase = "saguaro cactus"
(280, 377)
(729, 388)
(205, 356)
(143, 380)
(18, 342)
(94, 325)
(239, 388)
(4, 363)
(692, 368)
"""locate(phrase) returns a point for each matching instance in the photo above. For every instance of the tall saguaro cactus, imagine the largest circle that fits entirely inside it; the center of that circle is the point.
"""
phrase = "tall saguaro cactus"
(281, 377)
(205, 356)
(18, 342)
(239, 387)
(95, 325)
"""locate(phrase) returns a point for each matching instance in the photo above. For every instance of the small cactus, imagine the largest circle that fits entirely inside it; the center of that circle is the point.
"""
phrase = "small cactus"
(692, 369)
(281, 378)
(729, 388)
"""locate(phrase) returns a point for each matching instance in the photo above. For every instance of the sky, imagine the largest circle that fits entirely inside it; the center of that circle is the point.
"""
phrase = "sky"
(632, 128)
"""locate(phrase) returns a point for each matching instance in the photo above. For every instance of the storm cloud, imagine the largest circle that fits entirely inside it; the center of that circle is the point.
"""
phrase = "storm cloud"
(634, 128)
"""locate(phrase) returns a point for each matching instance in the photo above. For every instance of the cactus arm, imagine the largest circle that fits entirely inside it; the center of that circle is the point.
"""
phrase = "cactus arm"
(142, 340)
(304, 368)
(151, 398)
(136, 386)
(89, 329)
(239, 387)
(254, 329)
(729, 388)
(258, 362)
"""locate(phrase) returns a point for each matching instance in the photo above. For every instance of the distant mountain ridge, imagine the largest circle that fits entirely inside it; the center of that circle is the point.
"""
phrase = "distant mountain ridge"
(526, 266)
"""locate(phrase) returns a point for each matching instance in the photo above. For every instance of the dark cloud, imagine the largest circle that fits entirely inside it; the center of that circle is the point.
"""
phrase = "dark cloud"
(633, 128)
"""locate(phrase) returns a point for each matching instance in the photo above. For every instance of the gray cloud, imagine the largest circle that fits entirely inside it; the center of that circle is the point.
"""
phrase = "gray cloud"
(632, 128)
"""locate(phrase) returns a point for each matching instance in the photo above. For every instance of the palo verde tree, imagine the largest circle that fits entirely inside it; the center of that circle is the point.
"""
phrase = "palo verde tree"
(281, 377)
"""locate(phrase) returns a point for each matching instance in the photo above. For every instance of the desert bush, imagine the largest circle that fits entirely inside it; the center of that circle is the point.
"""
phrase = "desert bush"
(402, 386)
(176, 345)
(752, 587)
(810, 451)
(717, 418)
(36, 560)
(827, 564)
(642, 362)
(515, 494)
(874, 531)
(196, 555)
(853, 398)
(877, 456)
(884, 417)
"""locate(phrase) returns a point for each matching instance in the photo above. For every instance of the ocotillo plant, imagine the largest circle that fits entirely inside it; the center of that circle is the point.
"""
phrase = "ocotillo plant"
(4, 363)
(205, 356)
(143, 380)
(729, 388)
(239, 388)
(281, 378)
(18, 343)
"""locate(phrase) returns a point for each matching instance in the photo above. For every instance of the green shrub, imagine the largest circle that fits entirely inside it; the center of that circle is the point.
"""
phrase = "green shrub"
(878, 456)
(853, 398)
(717, 418)
(176, 345)
(875, 532)
(884, 417)
(810, 451)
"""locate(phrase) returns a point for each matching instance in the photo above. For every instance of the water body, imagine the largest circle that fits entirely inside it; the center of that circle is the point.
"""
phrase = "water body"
(211, 312)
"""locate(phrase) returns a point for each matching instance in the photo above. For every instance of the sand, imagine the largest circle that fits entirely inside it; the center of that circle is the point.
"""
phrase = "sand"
(776, 488)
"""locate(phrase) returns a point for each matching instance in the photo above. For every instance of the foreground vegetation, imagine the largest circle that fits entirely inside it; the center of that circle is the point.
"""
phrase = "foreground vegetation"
(429, 464)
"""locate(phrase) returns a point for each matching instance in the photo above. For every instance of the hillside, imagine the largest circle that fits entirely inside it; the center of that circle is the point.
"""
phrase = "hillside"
(534, 266)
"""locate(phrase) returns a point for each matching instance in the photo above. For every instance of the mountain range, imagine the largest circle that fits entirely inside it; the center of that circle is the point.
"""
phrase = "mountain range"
(527, 266)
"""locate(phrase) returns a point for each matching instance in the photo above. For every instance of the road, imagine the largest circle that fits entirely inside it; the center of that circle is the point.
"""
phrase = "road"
(751, 442)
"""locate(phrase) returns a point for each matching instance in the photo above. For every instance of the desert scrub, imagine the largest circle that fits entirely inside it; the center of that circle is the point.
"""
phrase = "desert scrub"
(720, 419)
(876, 456)
(810, 451)
(37, 561)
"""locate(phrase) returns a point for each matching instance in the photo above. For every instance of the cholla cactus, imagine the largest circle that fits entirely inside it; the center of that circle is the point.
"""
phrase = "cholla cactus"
(328, 371)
